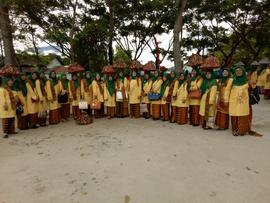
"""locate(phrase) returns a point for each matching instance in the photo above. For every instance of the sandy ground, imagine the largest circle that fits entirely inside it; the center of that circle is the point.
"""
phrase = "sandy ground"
(136, 161)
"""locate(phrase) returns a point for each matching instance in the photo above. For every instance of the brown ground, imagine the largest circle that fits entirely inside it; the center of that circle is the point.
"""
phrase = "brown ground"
(140, 161)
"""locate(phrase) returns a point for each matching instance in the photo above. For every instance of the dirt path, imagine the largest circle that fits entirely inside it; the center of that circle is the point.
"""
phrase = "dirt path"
(136, 161)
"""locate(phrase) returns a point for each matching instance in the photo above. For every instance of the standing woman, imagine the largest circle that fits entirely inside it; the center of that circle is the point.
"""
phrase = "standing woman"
(164, 91)
(267, 84)
(261, 78)
(156, 88)
(32, 103)
(109, 96)
(42, 102)
(98, 94)
(22, 94)
(87, 91)
(126, 86)
(239, 103)
(8, 104)
(195, 99)
(208, 101)
(146, 88)
(120, 104)
(65, 107)
(173, 91)
(222, 116)
(53, 90)
(181, 100)
(74, 95)
(135, 91)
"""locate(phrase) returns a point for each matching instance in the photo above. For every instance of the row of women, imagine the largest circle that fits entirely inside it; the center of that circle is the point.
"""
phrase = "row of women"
(200, 99)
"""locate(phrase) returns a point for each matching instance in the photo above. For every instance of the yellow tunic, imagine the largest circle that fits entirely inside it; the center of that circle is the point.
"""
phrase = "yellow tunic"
(109, 99)
(135, 91)
(97, 91)
(267, 82)
(42, 102)
(262, 78)
(239, 101)
(164, 97)
(53, 102)
(156, 87)
(24, 103)
(31, 99)
(5, 101)
(174, 92)
(195, 85)
(146, 90)
(86, 91)
(74, 101)
(211, 102)
(182, 95)
(253, 77)
(121, 88)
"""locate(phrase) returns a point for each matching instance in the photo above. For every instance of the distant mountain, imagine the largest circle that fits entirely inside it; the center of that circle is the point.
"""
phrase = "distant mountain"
(49, 50)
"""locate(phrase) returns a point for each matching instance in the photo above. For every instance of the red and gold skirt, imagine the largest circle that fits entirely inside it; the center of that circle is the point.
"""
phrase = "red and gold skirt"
(8, 125)
(182, 115)
(55, 116)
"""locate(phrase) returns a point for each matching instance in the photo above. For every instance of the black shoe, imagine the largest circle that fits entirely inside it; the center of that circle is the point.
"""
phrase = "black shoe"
(5, 136)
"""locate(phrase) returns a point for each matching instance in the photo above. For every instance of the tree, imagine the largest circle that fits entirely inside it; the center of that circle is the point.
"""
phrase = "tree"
(7, 34)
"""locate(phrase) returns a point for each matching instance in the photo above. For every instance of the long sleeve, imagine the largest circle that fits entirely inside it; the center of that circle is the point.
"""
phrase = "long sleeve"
(213, 93)
(49, 90)
(39, 92)
(157, 86)
(228, 90)
(175, 88)
(69, 91)
(31, 92)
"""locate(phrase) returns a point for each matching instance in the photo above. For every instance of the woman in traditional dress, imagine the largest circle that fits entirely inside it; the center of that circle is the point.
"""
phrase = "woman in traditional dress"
(32, 103)
(239, 103)
(98, 94)
(121, 103)
(261, 78)
(87, 91)
(109, 96)
(53, 90)
(135, 91)
(126, 86)
(22, 94)
(267, 84)
(65, 107)
(164, 92)
(208, 100)
(156, 88)
(181, 100)
(42, 102)
(172, 92)
(8, 104)
(146, 88)
(74, 95)
(194, 102)
(222, 115)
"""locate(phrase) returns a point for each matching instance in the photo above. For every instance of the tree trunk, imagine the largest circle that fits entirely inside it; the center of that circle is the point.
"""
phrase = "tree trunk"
(111, 31)
(6, 32)
(178, 25)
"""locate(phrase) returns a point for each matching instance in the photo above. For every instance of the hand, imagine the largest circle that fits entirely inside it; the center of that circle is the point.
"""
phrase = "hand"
(174, 97)
(5, 107)
(184, 101)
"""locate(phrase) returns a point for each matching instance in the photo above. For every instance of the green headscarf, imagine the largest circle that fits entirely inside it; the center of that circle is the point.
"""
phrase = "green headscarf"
(193, 78)
(5, 81)
(54, 79)
(238, 81)
(156, 77)
(208, 83)
(23, 87)
(164, 84)
(75, 82)
(64, 81)
(180, 81)
(95, 75)
(34, 80)
(121, 77)
(15, 86)
(88, 80)
(145, 79)
(225, 78)
(173, 77)
(111, 86)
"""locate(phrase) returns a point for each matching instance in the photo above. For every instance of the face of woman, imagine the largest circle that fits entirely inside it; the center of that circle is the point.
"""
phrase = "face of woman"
(121, 74)
(88, 76)
(134, 74)
(164, 78)
(182, 77)
(53, 75)
(23, 77)
(208, 75)
(172, 74)
(156, 73)
(193, 73)
(10, 82)
(225, 73)
(97, 77)
(239, 72)
(110, 77)
(146, 76)
(74, 77)
(34, 76)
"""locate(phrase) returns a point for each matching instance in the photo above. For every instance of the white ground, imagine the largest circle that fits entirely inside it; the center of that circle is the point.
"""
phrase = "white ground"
(136, 161)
